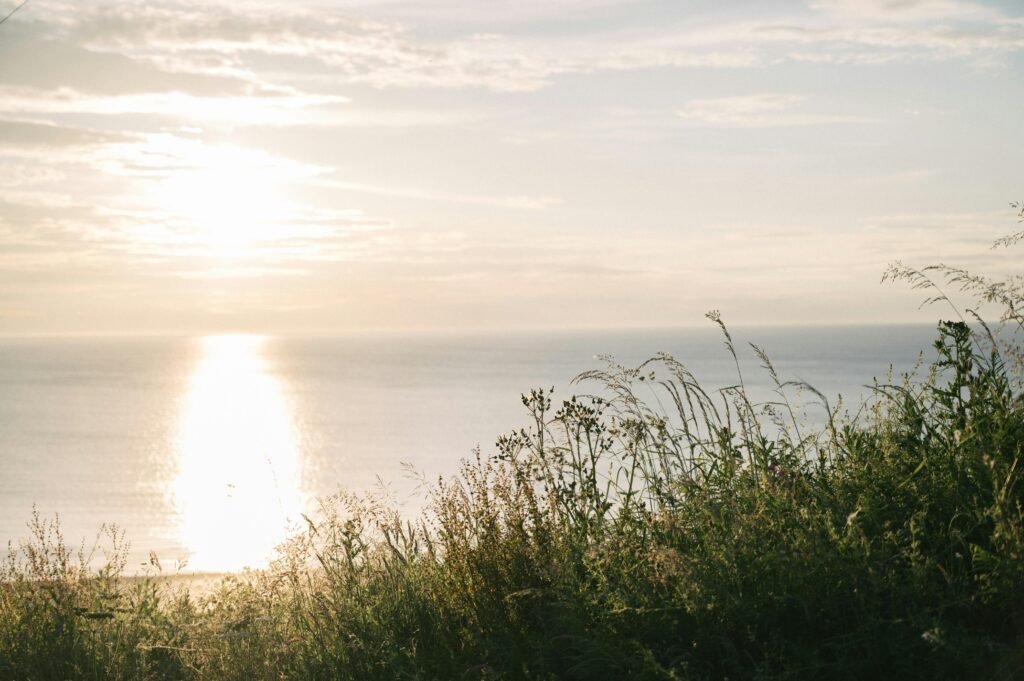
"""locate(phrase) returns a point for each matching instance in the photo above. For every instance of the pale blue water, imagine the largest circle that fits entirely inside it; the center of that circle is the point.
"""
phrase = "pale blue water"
(100, 430)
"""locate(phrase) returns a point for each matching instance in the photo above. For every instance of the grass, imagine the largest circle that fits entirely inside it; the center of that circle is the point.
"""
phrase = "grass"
(660, 531)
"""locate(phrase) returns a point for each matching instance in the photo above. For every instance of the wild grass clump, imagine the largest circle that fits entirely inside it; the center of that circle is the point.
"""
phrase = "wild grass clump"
(654, 529)
(61, 619)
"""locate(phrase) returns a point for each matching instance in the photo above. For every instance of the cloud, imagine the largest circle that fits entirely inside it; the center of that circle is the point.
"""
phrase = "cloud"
(514, 202)
(225, 41)
(875, 32)
(293, 109)
(234, 43)
(164, 203)
(904, 10)
(504, 13)
(23, 133)
(173, 205)
(152, 243)
(277, 61)
(756, 111)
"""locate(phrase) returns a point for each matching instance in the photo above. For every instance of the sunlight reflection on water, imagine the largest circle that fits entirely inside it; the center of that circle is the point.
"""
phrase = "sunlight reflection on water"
(237, 485)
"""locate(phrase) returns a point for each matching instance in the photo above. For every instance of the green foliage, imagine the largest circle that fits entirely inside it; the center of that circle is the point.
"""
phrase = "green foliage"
(60, 619)
(655, 530)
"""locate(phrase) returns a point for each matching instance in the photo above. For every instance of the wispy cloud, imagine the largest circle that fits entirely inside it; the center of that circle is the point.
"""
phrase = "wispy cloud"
(159, 245)
(875, 32)
(166, 200)
(516, 202)
(757, 111)
(905, 10)
(189, 208)
(292, 109)
(27, 133)
(228, 41)
(233, 43)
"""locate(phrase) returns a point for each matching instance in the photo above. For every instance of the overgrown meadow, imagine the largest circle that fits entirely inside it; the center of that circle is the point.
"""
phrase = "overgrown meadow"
(656, 529)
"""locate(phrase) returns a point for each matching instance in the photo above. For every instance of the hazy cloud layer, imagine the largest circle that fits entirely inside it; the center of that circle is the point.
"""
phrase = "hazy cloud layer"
(575, 162)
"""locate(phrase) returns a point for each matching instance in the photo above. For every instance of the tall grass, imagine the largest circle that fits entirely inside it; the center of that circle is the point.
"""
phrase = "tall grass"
(654, 529)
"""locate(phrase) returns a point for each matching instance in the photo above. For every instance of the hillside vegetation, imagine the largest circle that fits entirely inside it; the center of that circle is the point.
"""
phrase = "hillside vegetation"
(663, 530)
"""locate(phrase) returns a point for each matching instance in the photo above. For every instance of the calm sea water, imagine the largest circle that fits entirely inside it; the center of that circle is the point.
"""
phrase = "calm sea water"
(205, 449)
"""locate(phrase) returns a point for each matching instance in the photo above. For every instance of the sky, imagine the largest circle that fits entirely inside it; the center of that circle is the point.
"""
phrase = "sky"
(351, 165)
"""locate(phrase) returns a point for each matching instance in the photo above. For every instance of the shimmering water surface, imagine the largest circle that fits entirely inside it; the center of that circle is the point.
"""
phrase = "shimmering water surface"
(207, 450)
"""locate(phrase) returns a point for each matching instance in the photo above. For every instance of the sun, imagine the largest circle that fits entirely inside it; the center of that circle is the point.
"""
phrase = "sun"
(226, 202)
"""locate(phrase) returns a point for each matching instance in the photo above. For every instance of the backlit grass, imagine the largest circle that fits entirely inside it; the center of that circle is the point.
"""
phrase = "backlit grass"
(662, 530)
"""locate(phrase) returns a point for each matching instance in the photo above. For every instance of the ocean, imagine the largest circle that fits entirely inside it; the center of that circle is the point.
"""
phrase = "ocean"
(206, 451)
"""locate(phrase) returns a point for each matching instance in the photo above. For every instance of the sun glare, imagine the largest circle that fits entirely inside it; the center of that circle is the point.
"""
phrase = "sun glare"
(228, 202)
(237, 490)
